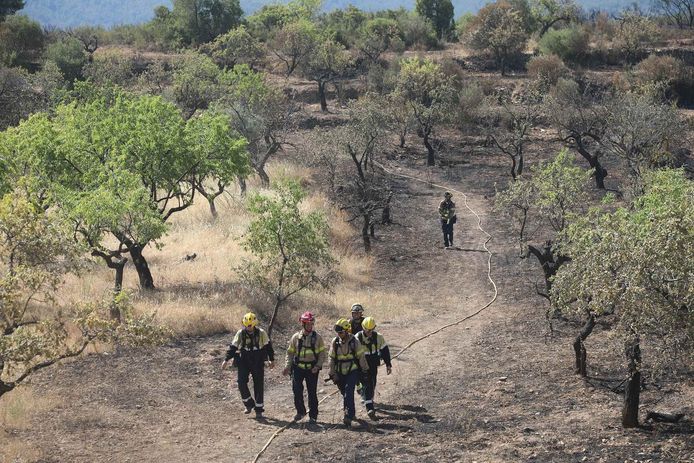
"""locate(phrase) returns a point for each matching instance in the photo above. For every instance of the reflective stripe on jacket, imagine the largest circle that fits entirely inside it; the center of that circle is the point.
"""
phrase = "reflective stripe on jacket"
(305, 358)
(347, 356)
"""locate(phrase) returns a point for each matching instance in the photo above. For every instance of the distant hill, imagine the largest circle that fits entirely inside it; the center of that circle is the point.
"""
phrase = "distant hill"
(66, 13)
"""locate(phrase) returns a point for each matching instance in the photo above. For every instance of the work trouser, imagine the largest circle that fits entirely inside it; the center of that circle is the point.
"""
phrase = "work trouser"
(299, 375)
(255, 369)
(346, 384)
(368, 390)
(447, 227)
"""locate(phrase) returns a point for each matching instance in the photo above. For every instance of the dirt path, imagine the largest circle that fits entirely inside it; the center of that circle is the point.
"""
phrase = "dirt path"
(491, 389)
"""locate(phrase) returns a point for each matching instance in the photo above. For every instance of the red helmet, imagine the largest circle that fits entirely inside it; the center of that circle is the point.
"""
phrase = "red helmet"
(307, 317)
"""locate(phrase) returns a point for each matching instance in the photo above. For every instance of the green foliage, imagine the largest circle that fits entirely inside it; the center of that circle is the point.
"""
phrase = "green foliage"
(36, 252)
(637, 262)
(430, 95)
(259, 111)
(547, 13)
(294, 43)
(236, 47)
(498, 30)
(111, 69)
(21, 41)
(640, 131)
(328, 61)
(569, 44)
(201, 21)
(291, 248)
(417, 31)
(635, 32)
(439, 12)
(548, 198)
(464, 23)
(120, 165)
(8, 7)
(195, 83)
(344, 24)
(659, 70)
(24, 93)
(69, 55)
(378, 36)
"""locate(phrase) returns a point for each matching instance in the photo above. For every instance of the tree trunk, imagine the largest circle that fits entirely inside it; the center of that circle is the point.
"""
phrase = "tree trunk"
(580, 348)
(599, 172)
(275, 310)
(5, 387)
(402, 139)
(632, 391)
(213, 207)
(365, 233)
(264, 177)
(519, 167)
(321, 95)
(513, 167)
(431, 154)
(242, 186)
(140, 263)
(119, 267)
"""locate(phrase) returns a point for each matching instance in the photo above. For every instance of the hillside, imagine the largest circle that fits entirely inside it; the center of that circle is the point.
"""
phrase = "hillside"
(68, 13)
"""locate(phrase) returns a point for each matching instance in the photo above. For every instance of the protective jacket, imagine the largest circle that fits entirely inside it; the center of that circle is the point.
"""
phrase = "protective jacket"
(375, 348)
(254, 347)
(447, 211)
(305, 351)
(347, 356)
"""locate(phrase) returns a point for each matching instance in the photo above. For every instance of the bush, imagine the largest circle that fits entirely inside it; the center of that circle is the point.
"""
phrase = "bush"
(463, 24)
(417, 32)
(547, 69)
(70, 57)
(21, 41)
(568, 44)
(111, 69)
(659, 69)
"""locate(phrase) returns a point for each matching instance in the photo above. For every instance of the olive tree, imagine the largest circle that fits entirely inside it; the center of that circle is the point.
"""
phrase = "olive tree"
(430, 95)
(581, 120)
(439, 12)
(294, 44)
(637, 262)
(509, 125)
(8, 7)
(195, 83)
(258, 111)
(547, 13)
(135, 155)
(237, 46)
(36, 252)
(291, 248)
(328, 62)
(640, 131)
(498, 30)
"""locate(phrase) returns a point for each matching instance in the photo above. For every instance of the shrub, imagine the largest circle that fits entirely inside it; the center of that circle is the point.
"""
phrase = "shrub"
(568, 44)
(659, 69)
(417, 31)
(547, 69)
(70, 57)
(111, 69)
(21, 41)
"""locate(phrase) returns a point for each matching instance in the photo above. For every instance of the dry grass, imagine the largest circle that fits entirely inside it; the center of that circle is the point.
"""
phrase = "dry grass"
(202, 296)
(18, 407)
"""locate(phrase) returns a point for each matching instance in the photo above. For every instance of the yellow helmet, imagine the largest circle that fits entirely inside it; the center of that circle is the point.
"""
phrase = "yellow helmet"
(343, 325)
(368, 323)
(250, 320)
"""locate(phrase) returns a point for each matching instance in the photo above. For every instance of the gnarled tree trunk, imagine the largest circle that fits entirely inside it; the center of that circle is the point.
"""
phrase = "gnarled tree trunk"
(632, 391)
(579, 346)
(140, 263)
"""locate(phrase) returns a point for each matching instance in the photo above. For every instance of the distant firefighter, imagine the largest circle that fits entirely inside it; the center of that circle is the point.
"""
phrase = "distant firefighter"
(448, 218)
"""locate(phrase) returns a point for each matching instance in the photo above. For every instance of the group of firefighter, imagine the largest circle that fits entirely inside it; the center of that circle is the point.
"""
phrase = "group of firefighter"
(354, 356)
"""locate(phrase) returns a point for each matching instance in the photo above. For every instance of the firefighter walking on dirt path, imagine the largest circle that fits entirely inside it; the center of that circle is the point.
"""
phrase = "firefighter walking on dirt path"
(305, 358)
(347, 366)
(376, 350)
(249, 350)
(448, 218)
